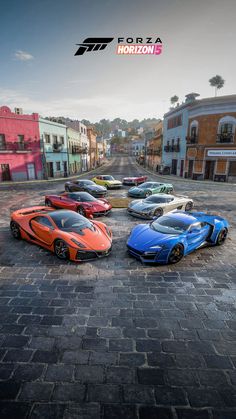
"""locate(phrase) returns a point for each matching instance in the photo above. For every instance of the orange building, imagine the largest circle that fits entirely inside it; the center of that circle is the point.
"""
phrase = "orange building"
(92, 136)
(154, 148)
(211, 140)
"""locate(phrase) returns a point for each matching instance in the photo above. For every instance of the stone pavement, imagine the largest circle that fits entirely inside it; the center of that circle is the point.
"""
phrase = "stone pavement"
(112, 338)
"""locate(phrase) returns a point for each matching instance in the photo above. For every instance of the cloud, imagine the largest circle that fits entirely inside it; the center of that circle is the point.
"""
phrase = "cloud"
(23, 56)
(92, 108)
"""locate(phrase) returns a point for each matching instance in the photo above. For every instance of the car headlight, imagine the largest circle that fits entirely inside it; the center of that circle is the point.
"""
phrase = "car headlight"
(81, 245)
(156, 247)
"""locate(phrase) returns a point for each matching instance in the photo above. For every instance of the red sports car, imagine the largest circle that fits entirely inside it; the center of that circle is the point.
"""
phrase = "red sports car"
(134, 180)
(81, 202)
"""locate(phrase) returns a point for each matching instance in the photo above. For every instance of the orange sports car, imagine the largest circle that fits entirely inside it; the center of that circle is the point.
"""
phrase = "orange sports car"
(68, 234)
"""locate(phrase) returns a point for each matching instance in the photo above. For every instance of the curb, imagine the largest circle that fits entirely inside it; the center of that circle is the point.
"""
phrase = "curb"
(178, 178)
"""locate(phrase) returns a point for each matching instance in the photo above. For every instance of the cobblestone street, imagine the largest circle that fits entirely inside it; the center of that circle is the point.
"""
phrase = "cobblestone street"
(113, 339)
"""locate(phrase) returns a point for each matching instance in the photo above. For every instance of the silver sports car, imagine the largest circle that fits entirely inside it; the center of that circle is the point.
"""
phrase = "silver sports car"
(157, 205)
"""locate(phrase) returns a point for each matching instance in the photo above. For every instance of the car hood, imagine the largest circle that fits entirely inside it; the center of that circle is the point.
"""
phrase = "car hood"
(113, 182)
(96, 188)
(92, 239)
(143, 237)
(142, 206)
(137, 190)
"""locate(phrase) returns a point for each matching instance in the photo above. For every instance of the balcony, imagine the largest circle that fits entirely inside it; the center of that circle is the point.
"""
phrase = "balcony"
(56, 147)
(193, 139)
(175, 148)
(77, 149)
(226, 137)
(16, 147)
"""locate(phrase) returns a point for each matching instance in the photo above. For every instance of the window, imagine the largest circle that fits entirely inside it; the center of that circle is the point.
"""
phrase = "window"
(47, 138)
(2, 142)
(44, 221)
(175, 121)
(58, 165)
(62, 140)
(193, 131)
(226, 129)
(20, 138)
(54, 137)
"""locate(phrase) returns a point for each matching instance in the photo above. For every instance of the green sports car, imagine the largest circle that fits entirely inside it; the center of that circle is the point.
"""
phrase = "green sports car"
(149, 188)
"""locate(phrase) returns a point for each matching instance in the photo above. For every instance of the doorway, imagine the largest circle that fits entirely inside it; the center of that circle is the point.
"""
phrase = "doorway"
(31, 171)
(174, 167)
(181, 168)
(209, 169)
(190, 169)
(50, 169)
(6, 174)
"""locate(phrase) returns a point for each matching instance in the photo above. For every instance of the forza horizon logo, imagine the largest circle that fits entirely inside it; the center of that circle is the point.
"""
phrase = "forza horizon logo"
(93, 44)
(125, 46)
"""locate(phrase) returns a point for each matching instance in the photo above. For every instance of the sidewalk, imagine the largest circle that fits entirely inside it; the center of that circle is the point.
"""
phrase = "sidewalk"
(174, 178)
(28, 182)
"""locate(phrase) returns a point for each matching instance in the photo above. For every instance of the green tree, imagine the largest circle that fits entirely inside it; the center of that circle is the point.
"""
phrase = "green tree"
(217, 82)
(174, 99)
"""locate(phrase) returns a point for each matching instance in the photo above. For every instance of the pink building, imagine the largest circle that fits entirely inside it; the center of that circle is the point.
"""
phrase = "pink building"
(20, 155)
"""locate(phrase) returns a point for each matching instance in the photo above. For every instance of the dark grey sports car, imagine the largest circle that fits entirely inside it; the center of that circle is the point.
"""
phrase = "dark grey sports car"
(86, 185)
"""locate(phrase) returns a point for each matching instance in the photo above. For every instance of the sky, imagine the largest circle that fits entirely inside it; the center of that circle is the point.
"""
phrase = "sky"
(40, 73)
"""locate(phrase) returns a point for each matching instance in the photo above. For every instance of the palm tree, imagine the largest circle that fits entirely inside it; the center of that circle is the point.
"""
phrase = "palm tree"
(174, 99)
(217, 82)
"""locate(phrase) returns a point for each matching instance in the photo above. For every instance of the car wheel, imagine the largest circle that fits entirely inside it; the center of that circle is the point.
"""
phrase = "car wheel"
(148, 193)
(61, 249)
(15, 230)
(188, 206)
(48, 203)
(222, 236)
(158, 212)
(81, 211)
(67, 189)
(106, 186)
(176, 254)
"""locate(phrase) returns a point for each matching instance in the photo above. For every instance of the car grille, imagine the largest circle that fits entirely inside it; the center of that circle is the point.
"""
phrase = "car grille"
(97, 213)
(89, 255)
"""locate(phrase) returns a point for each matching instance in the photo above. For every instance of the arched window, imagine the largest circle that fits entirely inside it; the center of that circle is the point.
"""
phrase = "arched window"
(226, 129)
(193, 131)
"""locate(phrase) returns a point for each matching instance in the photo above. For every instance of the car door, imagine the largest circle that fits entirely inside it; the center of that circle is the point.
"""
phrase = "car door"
(66, 203)
(197, 234)
(42, 229)
(98, 180)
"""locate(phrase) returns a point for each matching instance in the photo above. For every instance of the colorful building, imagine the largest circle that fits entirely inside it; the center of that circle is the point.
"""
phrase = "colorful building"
(175, 127)
(154, 148)
(20, 153)
(92, 136)
(211, 139)
(74, 151)
(54, 153)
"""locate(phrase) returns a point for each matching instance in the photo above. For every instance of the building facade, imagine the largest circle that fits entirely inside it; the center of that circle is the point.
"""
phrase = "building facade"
(175, 127)
(92, 136)
(20, 153)
(138, 148)
(211, 140)
(54, 153)
(154, 148)
(74, 151)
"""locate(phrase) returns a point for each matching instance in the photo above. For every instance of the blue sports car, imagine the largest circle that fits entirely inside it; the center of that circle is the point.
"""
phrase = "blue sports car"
(168, 238)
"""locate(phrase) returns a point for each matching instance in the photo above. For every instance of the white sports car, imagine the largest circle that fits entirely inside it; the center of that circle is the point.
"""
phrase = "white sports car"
(156, 205)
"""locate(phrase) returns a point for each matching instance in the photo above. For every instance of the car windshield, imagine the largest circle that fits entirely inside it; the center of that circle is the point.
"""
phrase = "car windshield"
(145, 185)
(86, 182)
(70, 221)
(156, 199)
(108, 178)
(82, 197)
(169, 225)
